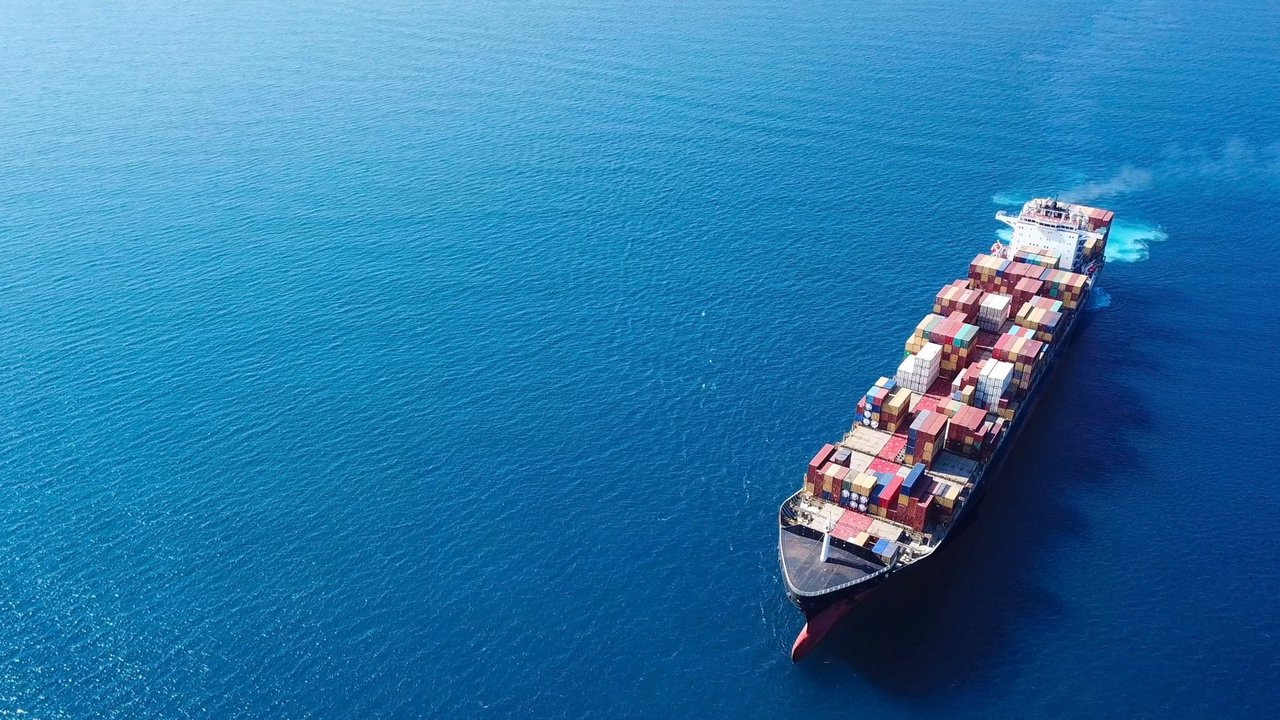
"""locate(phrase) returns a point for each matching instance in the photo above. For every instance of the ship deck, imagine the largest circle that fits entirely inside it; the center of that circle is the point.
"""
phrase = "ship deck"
(801, 557)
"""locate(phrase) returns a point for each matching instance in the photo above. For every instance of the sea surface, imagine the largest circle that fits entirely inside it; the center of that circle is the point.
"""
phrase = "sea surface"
(450, 359)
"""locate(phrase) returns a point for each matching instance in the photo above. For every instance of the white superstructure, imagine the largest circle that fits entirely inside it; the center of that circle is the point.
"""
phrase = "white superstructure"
(1059, 228)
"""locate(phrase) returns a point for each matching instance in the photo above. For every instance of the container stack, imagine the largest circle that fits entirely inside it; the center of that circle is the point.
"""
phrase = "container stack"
(1008, 408)
(841, 456)
(925, 438)
(815, 467)
(1064, 285)
(832, 480)
(917, 372)
(885, 493)
(1026, 289)
(945, 494)
(885, 405)
(919, 336)
(851, 525)
(886, 550)
(912, 477)
(918, 512)
(1091, 249)
(997, 429)
(968, 432)
(993, 311)
(997, 275)
(949, 406)
(915, 491)
(1044, 322)
(987, 271)
(856, 464)
(860, 489)
(1098, 218)
(957, 297)
(1025, 354)
(954, 335)
(1045, 303)
(896, 410)
(1042, 258)
(965, 385)
(993, 380)
(888, 498)
(1019, 331)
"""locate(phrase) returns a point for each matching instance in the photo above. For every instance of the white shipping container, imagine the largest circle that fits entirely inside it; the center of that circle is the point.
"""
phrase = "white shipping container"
(930, 355)
(993, 311)
(915, 375)
(993, 379)
(906, 369)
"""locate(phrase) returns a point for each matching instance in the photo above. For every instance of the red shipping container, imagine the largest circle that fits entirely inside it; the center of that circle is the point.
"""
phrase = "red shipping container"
(815, 465)
(837, 482)
(884, 466)
(1025, 290)
(927, 403)
(888, 497)
(892, 448)
(924, 507)
(852, 523)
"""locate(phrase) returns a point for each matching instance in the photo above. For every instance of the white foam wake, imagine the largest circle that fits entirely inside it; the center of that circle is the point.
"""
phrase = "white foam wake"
(1099, 299)
(1131, 242)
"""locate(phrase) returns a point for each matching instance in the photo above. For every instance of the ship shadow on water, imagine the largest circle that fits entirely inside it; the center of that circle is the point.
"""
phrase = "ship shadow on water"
(969, 611)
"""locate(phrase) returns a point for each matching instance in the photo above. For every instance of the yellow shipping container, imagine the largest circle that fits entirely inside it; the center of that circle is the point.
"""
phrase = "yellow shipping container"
(940, 488)
(898, 401)
(953, 494)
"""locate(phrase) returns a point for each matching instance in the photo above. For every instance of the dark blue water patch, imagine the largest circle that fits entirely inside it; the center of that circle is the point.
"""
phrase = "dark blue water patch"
(427, 361)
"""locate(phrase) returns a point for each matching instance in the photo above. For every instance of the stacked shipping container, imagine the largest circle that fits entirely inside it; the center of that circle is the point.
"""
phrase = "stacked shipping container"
(811, 481)
(953, 334)
(1042, 321)
(924, 438)
(1026, 289)
(1063, 285)
(1025, 354)
(1043, 258)
(993, 311)
(993, 379)
(997, 275)
(968, 431)
(965, 385)
(885, 405)
(917, 372)
(957, 297)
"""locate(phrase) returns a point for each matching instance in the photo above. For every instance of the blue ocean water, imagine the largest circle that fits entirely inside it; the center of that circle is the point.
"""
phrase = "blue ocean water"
(450, 359)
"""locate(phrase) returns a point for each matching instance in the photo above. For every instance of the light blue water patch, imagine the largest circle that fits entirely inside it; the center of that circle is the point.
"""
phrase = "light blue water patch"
(1008, 199)
(1131, 242)
(1099, 299)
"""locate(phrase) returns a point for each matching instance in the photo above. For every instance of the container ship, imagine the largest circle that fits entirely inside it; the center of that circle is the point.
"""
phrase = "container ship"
(924, 442)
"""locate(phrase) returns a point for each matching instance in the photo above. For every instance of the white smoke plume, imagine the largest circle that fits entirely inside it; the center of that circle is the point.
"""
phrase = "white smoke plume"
(1130, 179)
(1237, 160)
